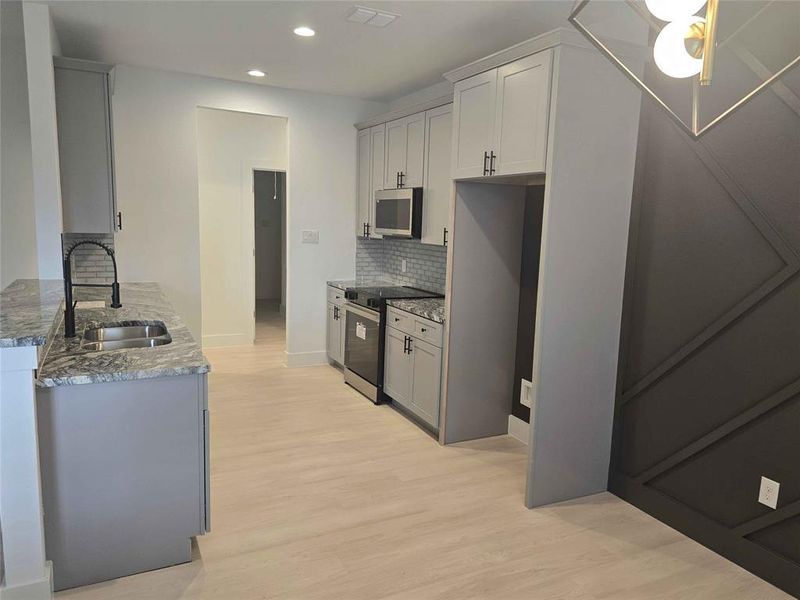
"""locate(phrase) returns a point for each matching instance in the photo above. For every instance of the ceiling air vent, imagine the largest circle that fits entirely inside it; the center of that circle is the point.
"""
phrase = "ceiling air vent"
(371, 16)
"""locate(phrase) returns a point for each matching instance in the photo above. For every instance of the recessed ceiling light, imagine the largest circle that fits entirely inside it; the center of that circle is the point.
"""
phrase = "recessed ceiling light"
(304, 31)
(256, 73)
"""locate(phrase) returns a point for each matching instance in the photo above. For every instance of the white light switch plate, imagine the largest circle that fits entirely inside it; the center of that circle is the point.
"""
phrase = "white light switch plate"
(525, 393)
(768, 493)
(310, 236)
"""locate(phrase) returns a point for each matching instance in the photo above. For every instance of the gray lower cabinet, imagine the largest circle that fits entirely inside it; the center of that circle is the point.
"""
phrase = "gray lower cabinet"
(398, 367)
(335, 340)
(335, 325)
(125, 475)
(427, 380)
(413, 366)
(85, 146)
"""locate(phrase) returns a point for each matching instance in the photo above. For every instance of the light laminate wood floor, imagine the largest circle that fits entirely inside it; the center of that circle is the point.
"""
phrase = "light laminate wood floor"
(318, 494)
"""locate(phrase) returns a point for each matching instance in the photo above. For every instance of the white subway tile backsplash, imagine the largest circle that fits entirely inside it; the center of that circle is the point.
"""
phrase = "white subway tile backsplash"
(426, 266)
(90, 264)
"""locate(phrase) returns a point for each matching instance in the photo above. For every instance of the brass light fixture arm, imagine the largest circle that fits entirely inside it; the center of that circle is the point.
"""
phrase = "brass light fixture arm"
(709, 42)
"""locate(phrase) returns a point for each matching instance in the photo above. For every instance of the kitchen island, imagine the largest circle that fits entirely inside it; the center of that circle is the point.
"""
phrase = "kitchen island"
(123, 433)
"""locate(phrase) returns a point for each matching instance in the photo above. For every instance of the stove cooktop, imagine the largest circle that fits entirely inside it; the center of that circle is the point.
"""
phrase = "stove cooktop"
(373, 297)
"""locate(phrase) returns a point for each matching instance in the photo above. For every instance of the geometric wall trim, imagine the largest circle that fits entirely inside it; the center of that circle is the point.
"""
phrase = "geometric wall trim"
(703, 479)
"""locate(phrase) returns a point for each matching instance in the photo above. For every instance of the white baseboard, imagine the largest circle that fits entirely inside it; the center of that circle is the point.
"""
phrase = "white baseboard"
(41, 589)
(226, 339)
(518, 429)
(306, 359)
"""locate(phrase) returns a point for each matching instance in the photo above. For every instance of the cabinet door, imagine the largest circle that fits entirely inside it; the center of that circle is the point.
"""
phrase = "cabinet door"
(83, 113)
(364, 186)
(396, 145)
(415, 151)
(473, 123)
(397, 367)
(427, 380)
(521, 117)
(378, 170)
(334, 346)
(437, 184)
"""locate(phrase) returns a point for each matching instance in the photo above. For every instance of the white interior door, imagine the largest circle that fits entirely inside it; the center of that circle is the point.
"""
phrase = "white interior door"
(521, 118)
(438, 185)
(473, 123)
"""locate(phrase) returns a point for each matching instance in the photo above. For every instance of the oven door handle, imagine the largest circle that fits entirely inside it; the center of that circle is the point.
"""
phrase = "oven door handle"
(363, 312)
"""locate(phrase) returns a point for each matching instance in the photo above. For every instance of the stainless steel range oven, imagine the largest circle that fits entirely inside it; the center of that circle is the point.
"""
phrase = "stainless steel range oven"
(365, 335)
(362, 349)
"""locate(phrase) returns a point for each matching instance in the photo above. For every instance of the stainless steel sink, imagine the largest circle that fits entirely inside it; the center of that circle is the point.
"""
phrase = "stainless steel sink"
(134, 335)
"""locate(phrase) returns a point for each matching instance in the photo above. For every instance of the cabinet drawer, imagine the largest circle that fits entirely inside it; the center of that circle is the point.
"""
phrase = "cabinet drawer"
(429, 331)
(335, 296)
(400, 319)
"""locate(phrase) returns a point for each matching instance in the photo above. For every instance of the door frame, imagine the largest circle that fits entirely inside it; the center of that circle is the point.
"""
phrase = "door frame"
(248, 238)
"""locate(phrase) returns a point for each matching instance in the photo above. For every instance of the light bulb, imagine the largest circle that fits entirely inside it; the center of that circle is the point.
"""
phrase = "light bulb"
(672, 10)
(670, 51)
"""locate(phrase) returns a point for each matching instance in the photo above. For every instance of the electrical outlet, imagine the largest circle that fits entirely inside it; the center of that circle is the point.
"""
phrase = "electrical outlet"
(403, 265)
(768, 493)
(310, 236)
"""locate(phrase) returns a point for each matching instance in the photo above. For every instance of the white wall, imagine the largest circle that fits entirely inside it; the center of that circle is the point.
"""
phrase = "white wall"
(269, 194)
(229, 145)
(41, 44)
(156, 161)
(17, 211)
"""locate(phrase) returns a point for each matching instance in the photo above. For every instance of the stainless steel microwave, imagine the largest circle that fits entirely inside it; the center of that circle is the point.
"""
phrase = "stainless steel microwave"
(398, 212)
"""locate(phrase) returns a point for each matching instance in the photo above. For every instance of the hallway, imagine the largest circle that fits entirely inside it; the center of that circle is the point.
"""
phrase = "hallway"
(316, 493)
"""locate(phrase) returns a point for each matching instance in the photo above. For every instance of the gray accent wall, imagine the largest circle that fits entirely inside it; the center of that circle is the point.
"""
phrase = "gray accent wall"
(708, 397)
(426, 266)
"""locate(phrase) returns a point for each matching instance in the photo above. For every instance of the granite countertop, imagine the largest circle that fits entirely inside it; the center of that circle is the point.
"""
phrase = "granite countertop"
(28, 308)
(343, 284)
(428, 308)
(66, 363)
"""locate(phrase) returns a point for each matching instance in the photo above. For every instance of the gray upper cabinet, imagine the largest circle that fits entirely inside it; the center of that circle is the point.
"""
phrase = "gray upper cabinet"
(438, 186)
(501, 119)
(85, 146)
(363, 181)
(405, 141)
(473, 122)
(521, 115)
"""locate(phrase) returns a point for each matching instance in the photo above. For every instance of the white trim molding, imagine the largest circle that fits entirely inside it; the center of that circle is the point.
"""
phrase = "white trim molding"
(306, 359)
(518, 429)
(399, 113)
(27, 574)
(226, 339)
(556, 37)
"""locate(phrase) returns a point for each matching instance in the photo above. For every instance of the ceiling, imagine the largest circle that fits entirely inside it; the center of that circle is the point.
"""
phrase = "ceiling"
(226, 38)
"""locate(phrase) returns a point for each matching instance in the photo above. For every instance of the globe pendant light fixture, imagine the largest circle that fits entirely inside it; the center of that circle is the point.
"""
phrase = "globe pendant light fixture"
(685, 47)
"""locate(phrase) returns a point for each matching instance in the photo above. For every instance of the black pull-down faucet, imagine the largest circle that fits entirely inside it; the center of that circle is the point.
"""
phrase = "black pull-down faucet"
(69, 308)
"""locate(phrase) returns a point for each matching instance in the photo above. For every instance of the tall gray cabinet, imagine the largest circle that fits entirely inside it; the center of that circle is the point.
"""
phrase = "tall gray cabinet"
(86, 146)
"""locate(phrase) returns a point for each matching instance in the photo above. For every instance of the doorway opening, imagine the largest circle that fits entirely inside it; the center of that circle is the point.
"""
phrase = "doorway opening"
(269, 209)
